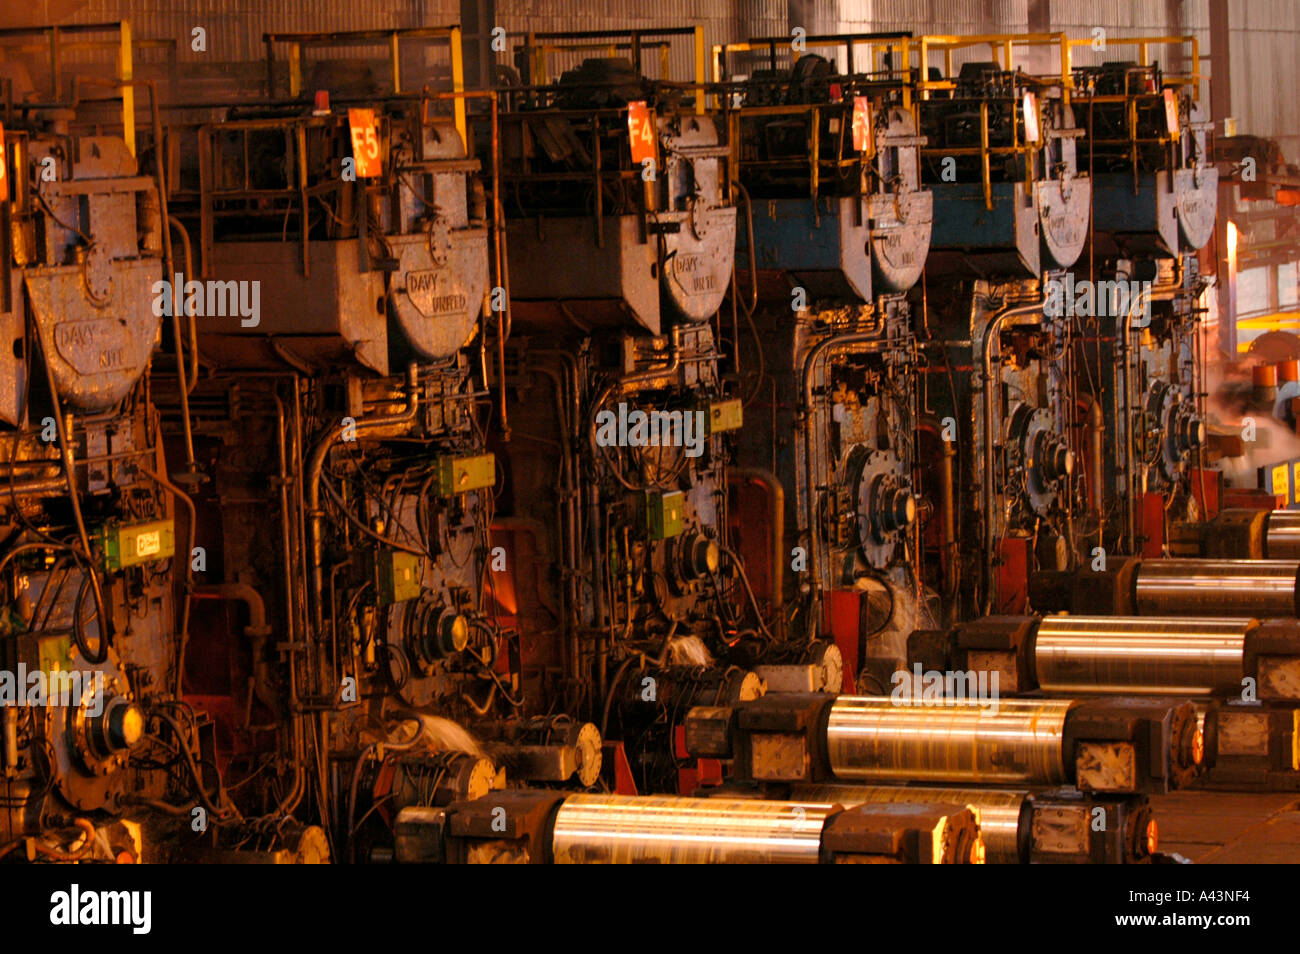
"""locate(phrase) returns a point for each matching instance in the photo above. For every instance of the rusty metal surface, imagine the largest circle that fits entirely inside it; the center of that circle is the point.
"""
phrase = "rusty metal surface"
(338, 314)
(13, 347)
(98, 348)
(1196, 197)
(436, 296)
(697, 261)
(1000, 810)
(562, 272)
(901, 220)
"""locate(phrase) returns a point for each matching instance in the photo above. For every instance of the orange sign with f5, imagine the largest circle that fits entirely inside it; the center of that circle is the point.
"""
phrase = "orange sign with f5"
(365, 142)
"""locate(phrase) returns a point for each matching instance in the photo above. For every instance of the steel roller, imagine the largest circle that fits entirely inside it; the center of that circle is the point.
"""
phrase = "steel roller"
(1009, 740)
(1282, 539)
(620, 829)
(1265, 589)
(1125, 655)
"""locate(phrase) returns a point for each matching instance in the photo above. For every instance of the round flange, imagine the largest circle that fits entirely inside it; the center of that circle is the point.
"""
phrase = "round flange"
(886, 507)
(1041, 456)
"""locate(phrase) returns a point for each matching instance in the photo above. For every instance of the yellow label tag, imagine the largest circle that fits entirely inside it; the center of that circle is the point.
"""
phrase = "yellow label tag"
(1280, 486)
(149, 543)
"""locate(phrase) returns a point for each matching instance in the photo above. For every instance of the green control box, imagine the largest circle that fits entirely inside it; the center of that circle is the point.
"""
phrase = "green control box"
(664, 514)
(724, 416)
(126, 545)
(458, 475)
(399, 576)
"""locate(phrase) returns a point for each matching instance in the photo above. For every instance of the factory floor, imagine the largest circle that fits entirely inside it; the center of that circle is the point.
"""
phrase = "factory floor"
(1208, 827)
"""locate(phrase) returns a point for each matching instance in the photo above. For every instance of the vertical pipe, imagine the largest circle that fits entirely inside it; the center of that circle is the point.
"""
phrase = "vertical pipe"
(1097, 467)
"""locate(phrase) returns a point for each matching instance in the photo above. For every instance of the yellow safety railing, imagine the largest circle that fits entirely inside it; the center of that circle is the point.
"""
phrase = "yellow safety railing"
(877, 47)
(55, 41)
(297, 42)
(815, 162)
(1003, 48)
(1144, 44)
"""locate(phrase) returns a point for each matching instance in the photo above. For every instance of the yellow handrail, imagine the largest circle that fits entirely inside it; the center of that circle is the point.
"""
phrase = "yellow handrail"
(125, 71)
(875, 46)
(1002, 46)
(1143, 43)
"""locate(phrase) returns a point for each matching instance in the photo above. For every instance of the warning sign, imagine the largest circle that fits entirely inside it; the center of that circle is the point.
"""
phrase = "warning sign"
(640, 131)
(365, 142)
(862, 124)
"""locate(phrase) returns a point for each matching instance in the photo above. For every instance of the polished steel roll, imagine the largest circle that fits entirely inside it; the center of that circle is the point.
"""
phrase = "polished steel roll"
(663, 829)
(1282, 536)
(999, 809)
(1126, 654)
(998, 740)
(1264, 589)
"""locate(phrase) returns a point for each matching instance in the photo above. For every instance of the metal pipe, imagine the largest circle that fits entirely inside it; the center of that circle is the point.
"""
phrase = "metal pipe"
(568, 500)
(753, 256)
(257, 630)
(298, 788)
(74, 496)
(992, 330)
(870, 341)
(1096, 452)
(312, 480)
(193, 374)
(240, 593)
(948, 507)
(37, 485)
(187, 557)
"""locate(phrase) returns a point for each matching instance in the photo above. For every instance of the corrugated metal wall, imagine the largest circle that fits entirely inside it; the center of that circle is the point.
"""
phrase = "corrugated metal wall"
(1266, 70)
(1265, 34)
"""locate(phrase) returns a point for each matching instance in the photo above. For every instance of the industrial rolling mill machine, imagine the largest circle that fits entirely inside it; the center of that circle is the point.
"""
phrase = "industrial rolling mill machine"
(798, 463)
